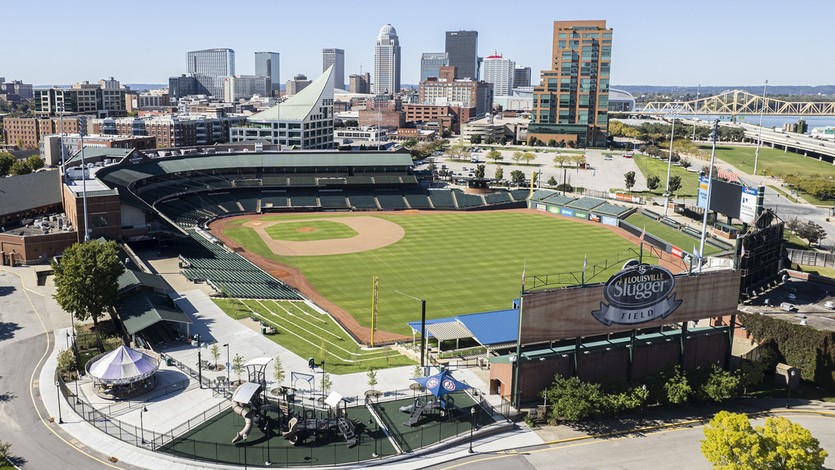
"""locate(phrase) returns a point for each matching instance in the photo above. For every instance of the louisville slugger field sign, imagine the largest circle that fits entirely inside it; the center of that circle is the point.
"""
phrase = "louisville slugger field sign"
(637, 295)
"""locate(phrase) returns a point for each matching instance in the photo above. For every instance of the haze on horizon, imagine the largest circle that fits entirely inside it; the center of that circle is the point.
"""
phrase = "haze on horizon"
(655, 43)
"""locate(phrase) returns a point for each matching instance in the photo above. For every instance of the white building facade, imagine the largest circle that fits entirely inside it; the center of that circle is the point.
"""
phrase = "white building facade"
(499, 71)
(387, 61)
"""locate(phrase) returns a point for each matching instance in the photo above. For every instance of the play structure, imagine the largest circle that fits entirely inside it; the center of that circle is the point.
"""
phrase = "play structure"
(250, 402)
(440, 386)
(123, 373)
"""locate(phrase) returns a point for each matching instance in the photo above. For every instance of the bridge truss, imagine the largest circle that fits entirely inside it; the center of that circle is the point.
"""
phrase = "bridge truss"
(736, 102)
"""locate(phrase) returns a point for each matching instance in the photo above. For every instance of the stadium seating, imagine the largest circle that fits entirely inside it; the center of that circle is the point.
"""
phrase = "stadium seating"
(520, 194)
(417, 200)
(465, 200)
(498, 198)
(332, 200)
(442, 199)
(361, 200)
(391, 201)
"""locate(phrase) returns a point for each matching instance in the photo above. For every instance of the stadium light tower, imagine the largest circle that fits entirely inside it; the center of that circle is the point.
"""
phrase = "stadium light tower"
(713, 136)
(673, 112)
(760, 132)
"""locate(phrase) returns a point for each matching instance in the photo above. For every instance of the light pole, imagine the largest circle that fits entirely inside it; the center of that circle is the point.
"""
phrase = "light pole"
(713, 136)
(670, 161)
(696, 109)
(376, 429)
(789, 379)
(142, 423)
(422, 328)
(472, 426)
(226, 345)
(58, 388)
(269, 462)
(760, 132)
(82, 129)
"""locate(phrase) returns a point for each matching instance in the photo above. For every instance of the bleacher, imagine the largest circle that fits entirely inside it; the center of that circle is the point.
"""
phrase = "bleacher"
(468, 200)
(227, 203)
(248, 200)
(442, 199)
(393, 201)
(273, 199)
(497, 198)
(520, 194)
(231, 273)
(332, 200)
(274, 180)
(417, 200)
(362, 201)
(304, 199)
(301, 181)
(386, 179)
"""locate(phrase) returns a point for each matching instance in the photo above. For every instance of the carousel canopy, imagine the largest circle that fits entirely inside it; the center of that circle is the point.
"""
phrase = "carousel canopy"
(123, 366)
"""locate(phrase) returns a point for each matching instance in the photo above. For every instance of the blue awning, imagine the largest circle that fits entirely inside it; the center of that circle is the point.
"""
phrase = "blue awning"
(488, 328)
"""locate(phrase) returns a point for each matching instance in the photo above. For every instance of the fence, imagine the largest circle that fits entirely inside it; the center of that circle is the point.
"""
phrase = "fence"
(812, 258)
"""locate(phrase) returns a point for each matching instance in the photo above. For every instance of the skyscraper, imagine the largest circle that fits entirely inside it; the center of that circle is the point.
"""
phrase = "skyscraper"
(499, 72)
(209, 66)
(212, 62)
(522, 77)
(572, 100)
(431, 63)
(387, 61)
(267, 64)
(462, 48)
(335, 57)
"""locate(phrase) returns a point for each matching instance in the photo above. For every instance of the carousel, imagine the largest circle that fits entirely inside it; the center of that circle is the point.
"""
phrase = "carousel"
(123, 373)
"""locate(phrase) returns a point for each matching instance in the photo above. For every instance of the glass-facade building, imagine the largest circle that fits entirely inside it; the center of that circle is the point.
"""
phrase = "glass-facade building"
(571, 101)
(387, 61)
(462, 50)
(335, 57)
(267, 64)
(209, 66)
(431, 63)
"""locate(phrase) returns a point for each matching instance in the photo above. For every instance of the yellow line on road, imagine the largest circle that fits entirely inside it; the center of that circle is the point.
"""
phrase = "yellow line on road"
(32, 382)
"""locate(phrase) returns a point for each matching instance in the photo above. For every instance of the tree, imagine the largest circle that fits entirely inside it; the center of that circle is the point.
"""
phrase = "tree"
(629, 180)
(560, 159)
(793, 224)
(479, 171)
(552, 142)
(34, 162)
(685, 163)
(812, 232)
(580, 160)
(517, 177)
(721, 385)
(675, 184)
(417, 372)
(214, 351)
(494, 155)
(19, 167)
(278, 370)
(678, 388)
(751, 374)
(732, 443)
(552, 182)
(652, 182)
(573, 400)
(238, 366)
(4, 453)
(409, 143)
(86, 279)
(532, 141)
(372, 378)
(6, 162)
(475, 139)
(66, 361)
(528, 157)
(326, 383)
(517, 156)
(499, 173)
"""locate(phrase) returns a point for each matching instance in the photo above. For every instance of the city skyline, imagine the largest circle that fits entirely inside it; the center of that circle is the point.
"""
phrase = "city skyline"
(731, 43)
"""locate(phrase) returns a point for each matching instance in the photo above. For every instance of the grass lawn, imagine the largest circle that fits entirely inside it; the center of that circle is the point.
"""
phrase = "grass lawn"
(819, 270)
(458, 262)
(773, 161)
(669, 234)
(309, 333)
(783, 192)
(312, 230)
(650, 166)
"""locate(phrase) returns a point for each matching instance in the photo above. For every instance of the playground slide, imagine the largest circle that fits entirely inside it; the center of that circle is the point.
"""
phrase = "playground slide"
(245, 414)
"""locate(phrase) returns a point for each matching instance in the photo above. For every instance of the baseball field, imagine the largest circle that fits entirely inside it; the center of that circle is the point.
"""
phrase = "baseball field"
(459, 262)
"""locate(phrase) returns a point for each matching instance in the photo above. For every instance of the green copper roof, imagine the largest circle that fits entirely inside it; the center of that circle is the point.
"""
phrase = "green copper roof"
(300, 105)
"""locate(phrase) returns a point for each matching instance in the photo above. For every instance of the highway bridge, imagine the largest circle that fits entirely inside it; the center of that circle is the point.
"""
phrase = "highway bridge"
(737, 102)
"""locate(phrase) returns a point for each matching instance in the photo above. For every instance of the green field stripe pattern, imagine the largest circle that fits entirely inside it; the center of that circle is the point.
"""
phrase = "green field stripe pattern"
(309, 333)
(669, 234)
(459, 262)
(312, 230)
(771, 161)
(652, 167)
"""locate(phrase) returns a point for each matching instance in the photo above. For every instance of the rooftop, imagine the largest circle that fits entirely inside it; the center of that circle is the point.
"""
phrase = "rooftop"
(300, 105)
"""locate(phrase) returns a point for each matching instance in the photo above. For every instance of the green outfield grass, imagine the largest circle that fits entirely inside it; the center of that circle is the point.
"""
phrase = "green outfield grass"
(669, 234)
(458, 262)
(312, 230)
(650, 166)
(309, 333)
(771, 161)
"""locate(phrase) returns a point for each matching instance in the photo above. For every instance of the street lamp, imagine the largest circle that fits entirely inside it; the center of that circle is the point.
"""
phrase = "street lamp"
(670, 160)
(422, 328)
(58, 388)
(472, 426)
(142, 423)
(269, 462)
(789, 380)
(713, 136)
(200, 347)
(376, 429)
(760, 132)
(226, 345)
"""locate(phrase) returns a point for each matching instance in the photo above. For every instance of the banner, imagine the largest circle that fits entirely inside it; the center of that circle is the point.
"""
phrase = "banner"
(540, 207)
(567, 212)
(703, 184)
(581, 215)
(637, 295)
(748, 205)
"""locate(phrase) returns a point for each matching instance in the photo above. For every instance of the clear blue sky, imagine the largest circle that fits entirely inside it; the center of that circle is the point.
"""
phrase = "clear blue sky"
(729, 42)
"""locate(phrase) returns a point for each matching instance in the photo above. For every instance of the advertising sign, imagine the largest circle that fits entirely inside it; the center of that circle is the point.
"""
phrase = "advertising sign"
(748, 205)
(554, 209)
(676, 251)
(703, 183)
(581, 215)
(609, 220)
(568, 212)
(594, 217)
(637, 295)
(540, 207)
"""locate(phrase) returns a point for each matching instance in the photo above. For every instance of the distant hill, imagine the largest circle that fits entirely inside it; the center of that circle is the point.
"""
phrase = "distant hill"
(133, 86)
(638, 90)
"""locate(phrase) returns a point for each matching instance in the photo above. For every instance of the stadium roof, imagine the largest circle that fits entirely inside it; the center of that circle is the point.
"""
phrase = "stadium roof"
(25, 192)
(302, 104)
(141, 310)
(488, 328)
(125, 174)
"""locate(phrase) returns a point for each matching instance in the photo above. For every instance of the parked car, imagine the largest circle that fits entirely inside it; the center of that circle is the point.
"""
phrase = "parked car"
(607, 157)
(628, 155)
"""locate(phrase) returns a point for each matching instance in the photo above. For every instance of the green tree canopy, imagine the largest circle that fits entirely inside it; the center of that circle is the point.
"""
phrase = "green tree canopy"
(494, 155)
(675, 184)
(517, 177)
(479, 171)
(573, 400)
(86, 279)
(652, 182)
(629, 180)
(6, 162)
(499, 173)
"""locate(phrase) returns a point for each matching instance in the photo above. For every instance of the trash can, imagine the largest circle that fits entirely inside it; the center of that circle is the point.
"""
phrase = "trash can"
(263, 330)
(168, 360)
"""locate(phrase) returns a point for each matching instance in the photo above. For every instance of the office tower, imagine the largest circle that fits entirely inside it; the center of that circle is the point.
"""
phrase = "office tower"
(572, 100)
(239, 87)
(335, 57)
(267, 64)
(522, 77)
(360, 83)
(387, 61)
(212, 62)
(448, 91)
(462, 48)
(499, 72)
(297, 84)
(431, 63)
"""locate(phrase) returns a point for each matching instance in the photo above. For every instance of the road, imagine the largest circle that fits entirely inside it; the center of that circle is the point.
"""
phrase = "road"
(677, 448)
(25, 318)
